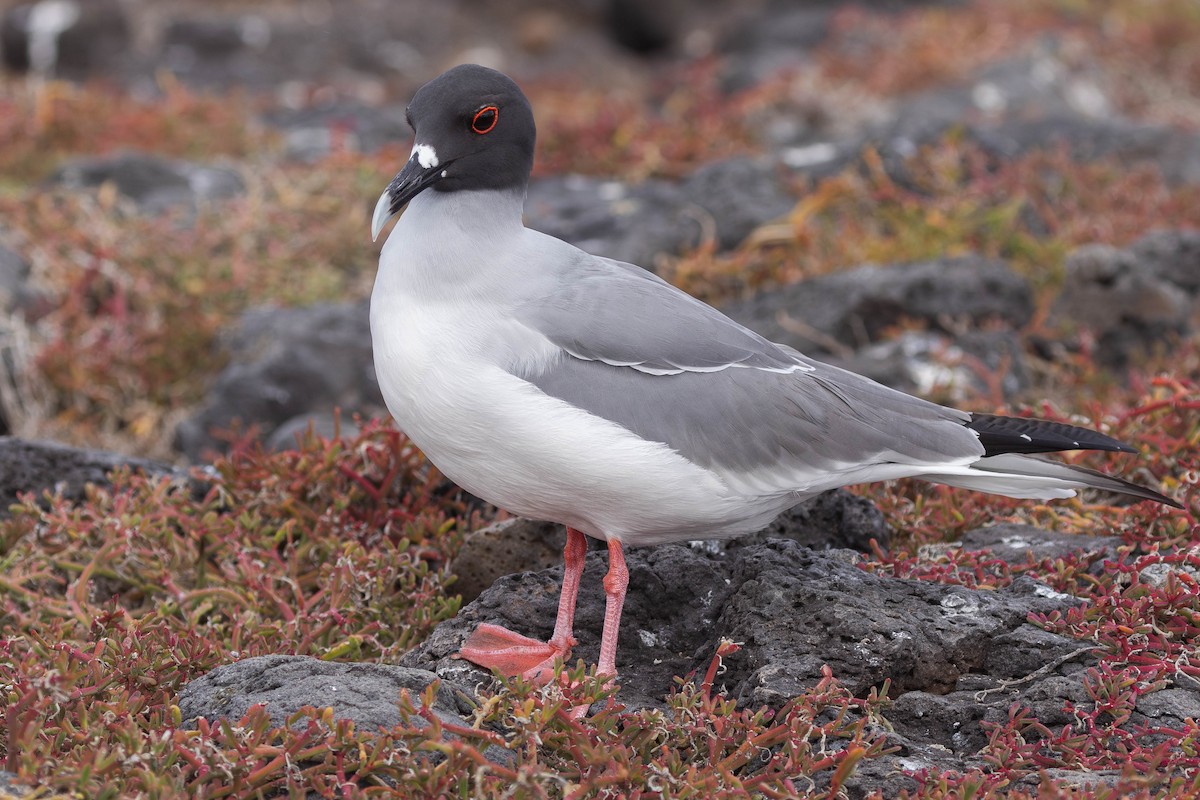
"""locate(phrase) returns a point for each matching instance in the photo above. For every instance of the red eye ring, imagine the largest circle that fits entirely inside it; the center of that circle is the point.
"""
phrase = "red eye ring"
(485, 119)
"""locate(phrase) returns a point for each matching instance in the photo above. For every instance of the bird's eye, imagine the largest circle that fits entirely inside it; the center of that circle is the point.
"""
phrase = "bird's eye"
(485, 119)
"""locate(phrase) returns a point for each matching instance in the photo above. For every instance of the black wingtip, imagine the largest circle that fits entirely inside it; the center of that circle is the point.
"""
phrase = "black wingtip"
(1000, 435)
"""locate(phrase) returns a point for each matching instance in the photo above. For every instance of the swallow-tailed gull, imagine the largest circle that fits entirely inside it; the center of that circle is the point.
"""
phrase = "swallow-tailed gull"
(573, 388)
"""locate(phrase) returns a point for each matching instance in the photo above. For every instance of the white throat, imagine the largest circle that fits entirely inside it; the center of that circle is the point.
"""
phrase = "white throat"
(448, 243)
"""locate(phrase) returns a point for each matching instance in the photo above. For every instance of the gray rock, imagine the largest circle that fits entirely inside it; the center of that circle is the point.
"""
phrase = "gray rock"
(265, 49)
(738, 195)
(1124, 301)
(10, 785)
(1033, 103)
(1172, 256)
(1039, 89)
(762, 45)
(1017, 544)
(640, 223)
(285, 363)
(933, 724)
(22, 303)
(14, 276)
(934, 364)
(1087, 139)
(1085, 779)
(366, 694)
(37, 467)
(852, 308)
(327, 425)
(75, 39)
(215, 37)
(637, 224)
(155, 184)
(248, 49)
(995, 356)
(311, 133)
(1172, 707)
(1015, 107)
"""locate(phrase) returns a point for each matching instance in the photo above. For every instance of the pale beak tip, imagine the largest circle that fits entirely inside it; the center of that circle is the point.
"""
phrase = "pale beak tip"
(382, 216)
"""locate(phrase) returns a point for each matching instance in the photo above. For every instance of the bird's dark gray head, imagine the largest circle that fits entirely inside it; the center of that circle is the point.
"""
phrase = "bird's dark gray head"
(474, 130)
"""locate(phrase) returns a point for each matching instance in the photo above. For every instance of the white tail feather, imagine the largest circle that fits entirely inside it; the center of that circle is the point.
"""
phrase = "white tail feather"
(1025, 476)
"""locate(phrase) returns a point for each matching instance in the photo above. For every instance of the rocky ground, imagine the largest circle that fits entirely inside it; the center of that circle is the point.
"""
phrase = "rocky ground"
(993, 204)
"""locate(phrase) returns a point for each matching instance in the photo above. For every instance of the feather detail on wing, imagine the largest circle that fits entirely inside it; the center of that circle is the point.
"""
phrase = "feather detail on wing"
(623, 316)
(764, 418)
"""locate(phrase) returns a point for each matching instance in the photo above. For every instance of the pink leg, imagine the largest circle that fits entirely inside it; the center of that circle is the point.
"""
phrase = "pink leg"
(615, 583)
(494, 647)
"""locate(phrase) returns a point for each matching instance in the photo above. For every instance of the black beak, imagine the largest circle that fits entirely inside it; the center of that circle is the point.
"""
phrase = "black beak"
(410, 182)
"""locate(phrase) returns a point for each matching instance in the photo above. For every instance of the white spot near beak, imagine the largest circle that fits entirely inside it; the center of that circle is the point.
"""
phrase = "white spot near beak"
(426, 156)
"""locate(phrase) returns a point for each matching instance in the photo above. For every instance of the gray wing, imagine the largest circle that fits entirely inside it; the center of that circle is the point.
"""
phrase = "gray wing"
(622, 315)
(643, 354)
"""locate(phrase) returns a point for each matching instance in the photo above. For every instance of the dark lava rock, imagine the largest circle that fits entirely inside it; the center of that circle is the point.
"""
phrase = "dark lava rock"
(673, 601)
(32, 466)
(681, 602)
(833, 520)
(366, 694)
(1132, 308)
(155, 184)
(284, 363)
(955, 657)
(933, 724)
(854, 307)
(994, 359)
(1033, 103)
(73, 39)
(920, 635)
(507, 547)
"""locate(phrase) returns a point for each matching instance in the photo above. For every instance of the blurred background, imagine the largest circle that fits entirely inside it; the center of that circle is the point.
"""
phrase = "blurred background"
(988, 202)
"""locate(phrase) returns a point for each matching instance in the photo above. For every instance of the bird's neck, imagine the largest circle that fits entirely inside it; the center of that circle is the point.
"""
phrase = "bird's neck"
(480, 212)
(452, 242)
